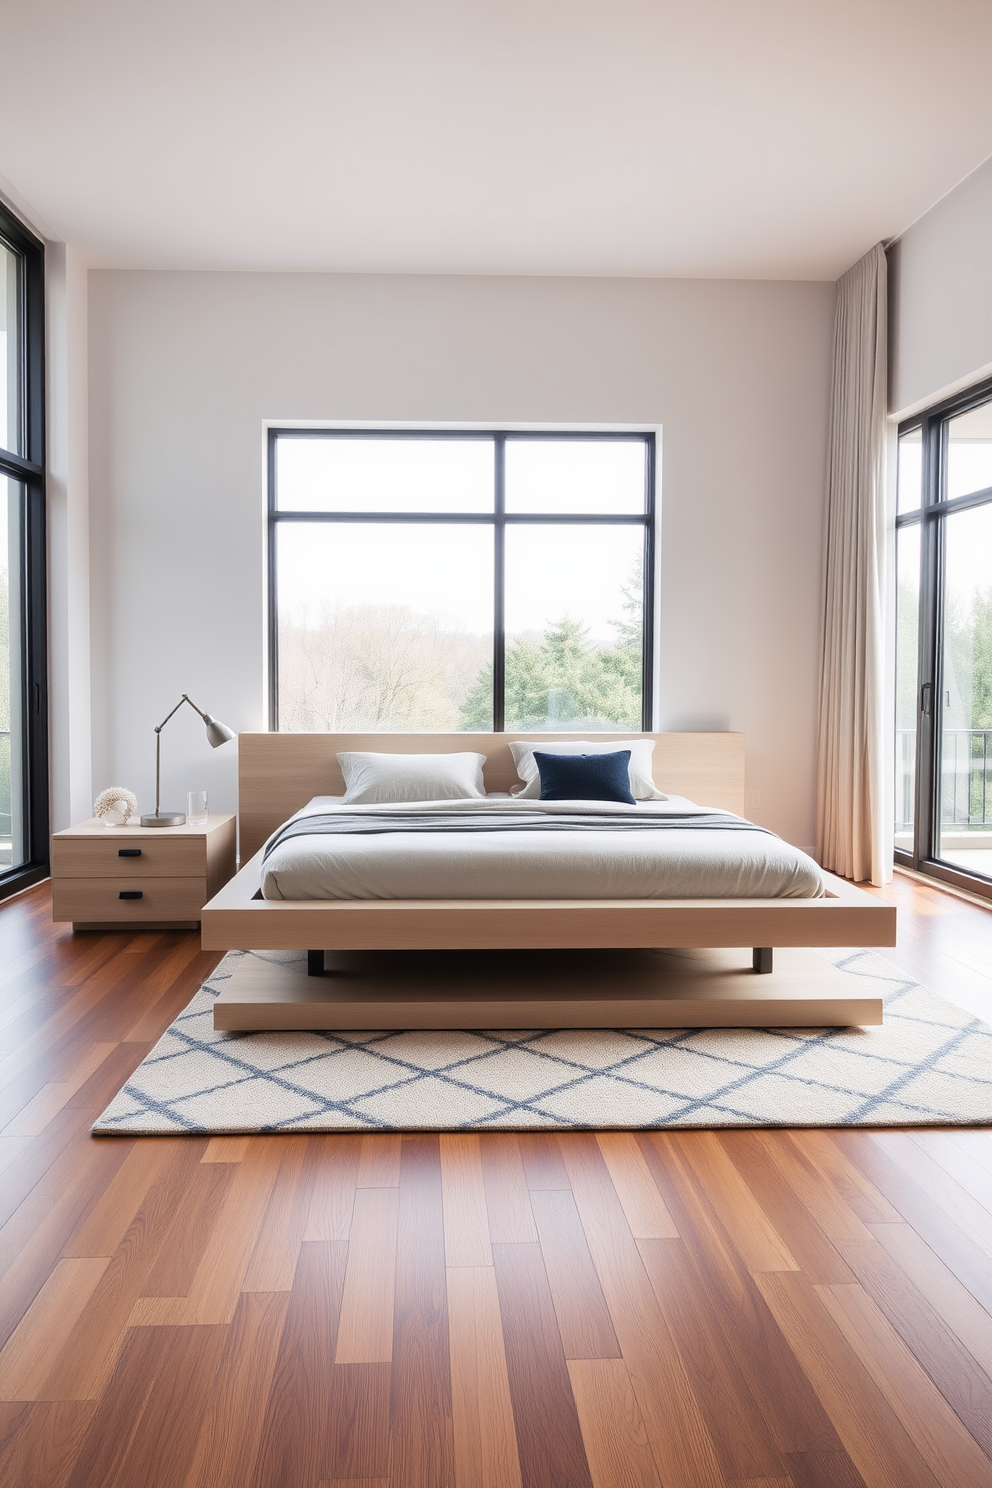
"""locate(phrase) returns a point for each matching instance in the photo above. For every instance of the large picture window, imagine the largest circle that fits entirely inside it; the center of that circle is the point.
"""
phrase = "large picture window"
(943, 767)
(460, 581)
(23, 648)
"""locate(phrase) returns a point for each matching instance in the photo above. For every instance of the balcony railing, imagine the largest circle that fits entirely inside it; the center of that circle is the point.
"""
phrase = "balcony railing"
(905, 779)
(5, 802)
(965, 778)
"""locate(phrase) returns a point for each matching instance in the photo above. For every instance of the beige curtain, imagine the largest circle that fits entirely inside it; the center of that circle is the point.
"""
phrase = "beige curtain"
(852, 805)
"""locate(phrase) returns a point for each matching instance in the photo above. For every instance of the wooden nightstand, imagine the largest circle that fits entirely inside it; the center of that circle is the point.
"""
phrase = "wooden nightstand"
(106, 878)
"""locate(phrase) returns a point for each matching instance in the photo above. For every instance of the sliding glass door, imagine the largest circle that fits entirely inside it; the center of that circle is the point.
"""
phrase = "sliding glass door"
(23, 651)
(943, 764)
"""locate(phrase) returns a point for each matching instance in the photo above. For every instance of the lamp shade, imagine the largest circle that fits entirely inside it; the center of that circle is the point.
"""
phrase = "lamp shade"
(217, 733)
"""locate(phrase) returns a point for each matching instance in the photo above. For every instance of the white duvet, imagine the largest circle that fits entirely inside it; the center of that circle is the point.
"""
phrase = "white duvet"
(662, 863)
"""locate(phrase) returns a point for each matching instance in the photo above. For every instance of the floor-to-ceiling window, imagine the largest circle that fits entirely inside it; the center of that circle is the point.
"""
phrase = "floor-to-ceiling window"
(23, 655)
(943, 773)
(460, 581)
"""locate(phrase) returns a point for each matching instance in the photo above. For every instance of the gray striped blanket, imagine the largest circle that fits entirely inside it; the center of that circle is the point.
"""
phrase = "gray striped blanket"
(333, 823)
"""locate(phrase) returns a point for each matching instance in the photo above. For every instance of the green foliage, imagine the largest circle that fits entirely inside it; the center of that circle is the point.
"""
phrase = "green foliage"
(4, 650)
(967, 674)
(562, 681)
(4, 701)
(967, 686)
(981, 660)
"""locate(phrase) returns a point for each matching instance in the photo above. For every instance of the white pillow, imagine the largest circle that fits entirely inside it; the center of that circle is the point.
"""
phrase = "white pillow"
(377, 779)
(642, 786)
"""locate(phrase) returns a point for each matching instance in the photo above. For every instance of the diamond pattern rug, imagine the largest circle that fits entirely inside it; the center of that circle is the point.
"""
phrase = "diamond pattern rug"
(930, 1063)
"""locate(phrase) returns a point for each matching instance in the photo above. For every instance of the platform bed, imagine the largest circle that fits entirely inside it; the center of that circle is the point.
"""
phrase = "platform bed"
(279, 773)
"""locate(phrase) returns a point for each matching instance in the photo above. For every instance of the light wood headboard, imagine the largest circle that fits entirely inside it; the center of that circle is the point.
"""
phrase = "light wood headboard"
(278, 773)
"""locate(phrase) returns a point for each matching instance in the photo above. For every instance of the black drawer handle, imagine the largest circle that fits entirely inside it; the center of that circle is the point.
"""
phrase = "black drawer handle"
(129, 894)
(129, 852)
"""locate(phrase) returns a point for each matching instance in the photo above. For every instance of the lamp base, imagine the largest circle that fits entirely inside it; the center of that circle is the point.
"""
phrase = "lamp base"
(164, 819)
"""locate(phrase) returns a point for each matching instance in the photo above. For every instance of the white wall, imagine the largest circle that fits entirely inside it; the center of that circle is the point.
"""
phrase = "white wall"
(940, 301)
(184, 369)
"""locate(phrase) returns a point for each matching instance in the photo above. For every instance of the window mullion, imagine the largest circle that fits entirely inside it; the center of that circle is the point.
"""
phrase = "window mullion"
(499, 586)
(271, 559)
(648, 578)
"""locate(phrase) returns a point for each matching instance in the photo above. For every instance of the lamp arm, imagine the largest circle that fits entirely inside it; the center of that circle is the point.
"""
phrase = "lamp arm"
(204, 716)
(183, 699)
(158, 746)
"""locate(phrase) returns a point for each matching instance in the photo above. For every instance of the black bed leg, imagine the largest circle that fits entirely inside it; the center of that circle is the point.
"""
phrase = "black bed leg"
(761, 959)
(315, 963)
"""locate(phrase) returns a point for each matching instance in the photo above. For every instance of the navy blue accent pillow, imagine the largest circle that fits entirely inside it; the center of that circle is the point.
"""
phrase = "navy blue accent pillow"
(585, 777)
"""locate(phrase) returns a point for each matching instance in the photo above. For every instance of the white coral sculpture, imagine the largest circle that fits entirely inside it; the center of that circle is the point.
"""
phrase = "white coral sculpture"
(115, 806)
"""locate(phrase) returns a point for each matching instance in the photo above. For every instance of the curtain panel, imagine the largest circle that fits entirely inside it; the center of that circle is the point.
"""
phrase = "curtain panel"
(852, 806)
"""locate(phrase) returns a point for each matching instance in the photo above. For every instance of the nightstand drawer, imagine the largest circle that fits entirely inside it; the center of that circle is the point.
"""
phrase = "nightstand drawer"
(99, 899)
(167, 873)
(118, 854)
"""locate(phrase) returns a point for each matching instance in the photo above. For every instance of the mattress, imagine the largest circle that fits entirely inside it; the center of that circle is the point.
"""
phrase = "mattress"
(667, 856)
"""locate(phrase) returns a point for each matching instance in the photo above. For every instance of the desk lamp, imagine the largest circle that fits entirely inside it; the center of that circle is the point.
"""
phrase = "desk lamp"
(217, 734)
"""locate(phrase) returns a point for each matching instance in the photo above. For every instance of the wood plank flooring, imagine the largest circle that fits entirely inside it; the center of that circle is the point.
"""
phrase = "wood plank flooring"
(746, 1309)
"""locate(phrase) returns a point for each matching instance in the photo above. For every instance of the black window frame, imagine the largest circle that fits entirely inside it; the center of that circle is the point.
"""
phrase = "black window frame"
(930, 516)
(498, 518)
(29, 469)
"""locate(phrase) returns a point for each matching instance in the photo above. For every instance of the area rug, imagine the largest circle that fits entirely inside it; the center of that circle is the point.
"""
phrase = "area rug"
(929, 1063)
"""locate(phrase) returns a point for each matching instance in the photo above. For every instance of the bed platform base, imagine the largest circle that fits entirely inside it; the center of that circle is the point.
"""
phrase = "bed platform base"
(687, 959)
(371, 990)
(544, 964)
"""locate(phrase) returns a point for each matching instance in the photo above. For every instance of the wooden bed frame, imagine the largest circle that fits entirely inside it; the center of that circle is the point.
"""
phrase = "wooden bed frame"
(279, 773)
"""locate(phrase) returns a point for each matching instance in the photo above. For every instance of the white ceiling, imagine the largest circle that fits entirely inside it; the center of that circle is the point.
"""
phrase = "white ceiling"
(703, 138)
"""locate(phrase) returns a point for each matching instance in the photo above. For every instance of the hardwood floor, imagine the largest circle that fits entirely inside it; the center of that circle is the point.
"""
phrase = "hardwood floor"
(945, 941)
(622, 1310)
